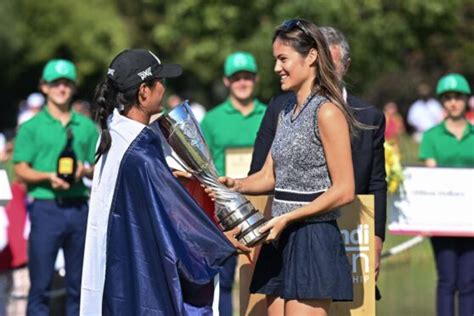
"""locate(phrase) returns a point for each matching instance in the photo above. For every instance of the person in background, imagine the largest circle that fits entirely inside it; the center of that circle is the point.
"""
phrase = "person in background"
(231, 124)
(3, 146)
(58, 213)
(470, 110)
(34, 103)
(13, 259)
(425, 112)
(172, 101)
(198, 109)
(394, 126)
(83, 107)
(451, 144)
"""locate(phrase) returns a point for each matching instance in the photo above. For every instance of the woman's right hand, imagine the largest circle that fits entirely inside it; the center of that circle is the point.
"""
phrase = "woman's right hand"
(233, 184)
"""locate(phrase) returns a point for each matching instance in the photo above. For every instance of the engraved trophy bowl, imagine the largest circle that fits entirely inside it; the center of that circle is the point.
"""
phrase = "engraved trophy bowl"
(184, 135)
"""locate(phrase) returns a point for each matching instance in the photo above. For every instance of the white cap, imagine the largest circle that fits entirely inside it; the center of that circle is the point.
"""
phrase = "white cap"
(35, 100)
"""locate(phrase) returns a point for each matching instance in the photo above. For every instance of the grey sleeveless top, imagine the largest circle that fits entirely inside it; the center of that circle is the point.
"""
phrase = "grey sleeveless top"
(301, 171)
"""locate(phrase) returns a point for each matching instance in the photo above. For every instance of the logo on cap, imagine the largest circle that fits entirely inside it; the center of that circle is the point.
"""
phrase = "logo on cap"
(240, 60)
(451, 83)
(145, 73)
(61, 68)
(110, 71)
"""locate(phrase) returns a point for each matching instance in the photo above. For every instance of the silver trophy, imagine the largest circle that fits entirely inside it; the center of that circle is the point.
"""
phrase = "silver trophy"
(184, 135)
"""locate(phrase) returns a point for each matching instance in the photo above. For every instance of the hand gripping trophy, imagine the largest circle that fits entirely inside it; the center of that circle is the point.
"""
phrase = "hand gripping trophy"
(184, 135)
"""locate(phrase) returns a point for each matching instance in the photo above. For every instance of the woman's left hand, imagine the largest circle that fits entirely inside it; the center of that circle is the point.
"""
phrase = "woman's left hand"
(276, 226)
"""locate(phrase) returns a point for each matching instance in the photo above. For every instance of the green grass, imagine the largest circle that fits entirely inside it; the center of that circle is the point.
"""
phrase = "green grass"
(407, 280)
(409, 151)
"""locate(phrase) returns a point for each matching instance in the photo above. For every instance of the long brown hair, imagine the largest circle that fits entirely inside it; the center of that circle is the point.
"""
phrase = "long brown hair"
(302, 36)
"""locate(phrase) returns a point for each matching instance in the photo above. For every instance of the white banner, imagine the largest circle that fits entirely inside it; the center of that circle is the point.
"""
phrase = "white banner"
(433, 202)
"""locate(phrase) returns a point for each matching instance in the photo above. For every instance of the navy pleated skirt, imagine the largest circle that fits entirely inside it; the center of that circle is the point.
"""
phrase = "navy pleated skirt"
(307, 262)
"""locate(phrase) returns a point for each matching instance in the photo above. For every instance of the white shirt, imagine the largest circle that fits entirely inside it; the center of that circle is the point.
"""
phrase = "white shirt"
(123, 132)
(423, 115)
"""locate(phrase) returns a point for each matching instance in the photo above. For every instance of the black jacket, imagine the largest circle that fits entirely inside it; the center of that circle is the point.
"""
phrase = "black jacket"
(367, 151)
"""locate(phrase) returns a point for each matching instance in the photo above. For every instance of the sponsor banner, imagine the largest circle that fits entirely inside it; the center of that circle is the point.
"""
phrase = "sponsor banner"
(433, 202)
(357, 231)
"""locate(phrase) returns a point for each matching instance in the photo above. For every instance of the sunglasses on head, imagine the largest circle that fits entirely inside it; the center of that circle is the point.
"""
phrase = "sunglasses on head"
(289, 25)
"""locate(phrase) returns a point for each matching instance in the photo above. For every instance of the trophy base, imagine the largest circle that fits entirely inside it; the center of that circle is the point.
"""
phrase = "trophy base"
(252, 240)
(248, 219)
(249, 234)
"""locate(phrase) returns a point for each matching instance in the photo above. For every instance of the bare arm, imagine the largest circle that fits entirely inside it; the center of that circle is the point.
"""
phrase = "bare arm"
(31, 176)
(258, 183)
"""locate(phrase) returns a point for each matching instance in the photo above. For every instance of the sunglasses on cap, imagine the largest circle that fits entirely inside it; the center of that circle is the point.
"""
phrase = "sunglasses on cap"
(289, 25)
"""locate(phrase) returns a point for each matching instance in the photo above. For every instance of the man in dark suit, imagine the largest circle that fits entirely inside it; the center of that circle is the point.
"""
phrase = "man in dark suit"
(367, 148)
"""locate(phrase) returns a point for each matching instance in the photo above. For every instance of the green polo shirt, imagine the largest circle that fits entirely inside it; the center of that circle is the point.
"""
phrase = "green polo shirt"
(225, 127)
(439, 144)
(41, 140)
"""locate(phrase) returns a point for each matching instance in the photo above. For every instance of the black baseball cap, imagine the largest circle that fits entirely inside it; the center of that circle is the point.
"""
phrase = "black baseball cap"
(133, 66)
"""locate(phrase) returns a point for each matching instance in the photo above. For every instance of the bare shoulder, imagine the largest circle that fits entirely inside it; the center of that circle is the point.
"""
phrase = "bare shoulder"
(330, 113)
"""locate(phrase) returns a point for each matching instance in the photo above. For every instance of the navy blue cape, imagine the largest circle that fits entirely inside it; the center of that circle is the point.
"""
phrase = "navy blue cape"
(162, 250)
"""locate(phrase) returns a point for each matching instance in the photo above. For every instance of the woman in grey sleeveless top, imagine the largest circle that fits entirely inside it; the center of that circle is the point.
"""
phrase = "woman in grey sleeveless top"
(303, 267)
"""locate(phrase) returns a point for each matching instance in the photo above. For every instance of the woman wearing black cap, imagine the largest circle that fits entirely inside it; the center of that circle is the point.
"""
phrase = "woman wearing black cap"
(149, 248)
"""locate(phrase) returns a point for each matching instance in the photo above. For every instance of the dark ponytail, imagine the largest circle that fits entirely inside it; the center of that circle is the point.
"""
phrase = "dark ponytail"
(105, 102)
(106, 99)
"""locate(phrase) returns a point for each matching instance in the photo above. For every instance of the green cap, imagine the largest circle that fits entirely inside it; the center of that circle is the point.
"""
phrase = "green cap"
(58, 69)
(239, 61)
(453, 83)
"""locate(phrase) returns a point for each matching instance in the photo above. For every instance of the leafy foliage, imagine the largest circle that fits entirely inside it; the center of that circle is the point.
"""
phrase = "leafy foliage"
(395, 44)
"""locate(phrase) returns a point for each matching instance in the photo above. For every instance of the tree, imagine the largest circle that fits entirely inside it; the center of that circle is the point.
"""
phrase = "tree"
(88, 32)
(395, 44)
